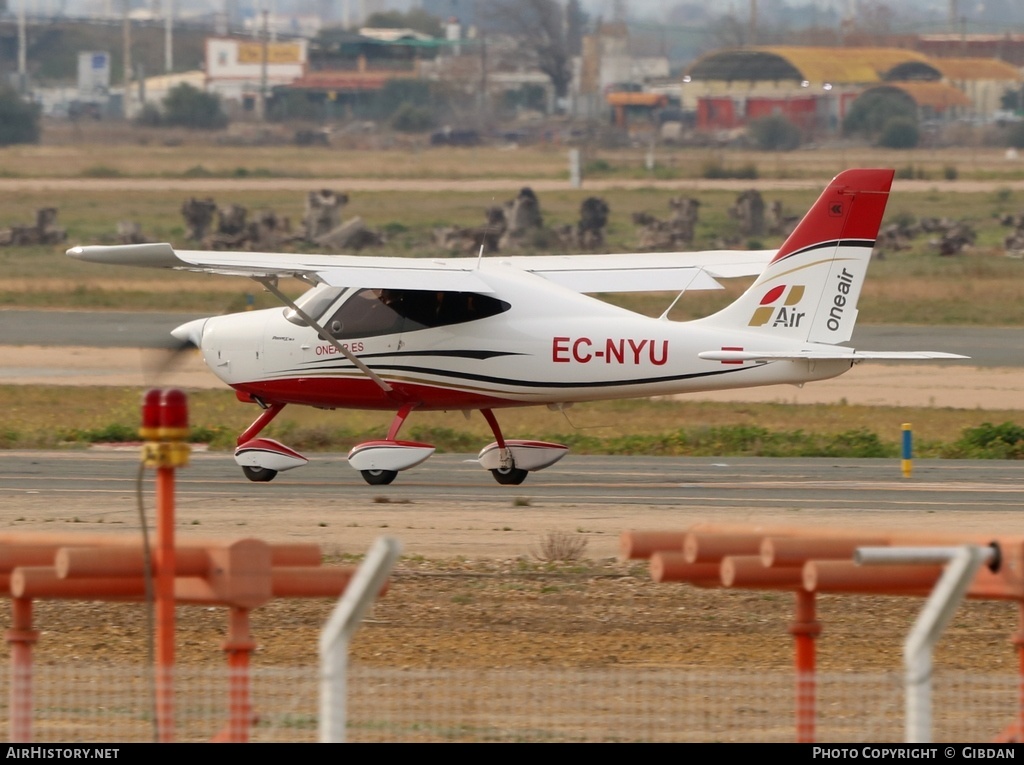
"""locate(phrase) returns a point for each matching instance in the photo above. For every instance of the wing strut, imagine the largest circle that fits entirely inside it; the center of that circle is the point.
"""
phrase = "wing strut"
(270, 283)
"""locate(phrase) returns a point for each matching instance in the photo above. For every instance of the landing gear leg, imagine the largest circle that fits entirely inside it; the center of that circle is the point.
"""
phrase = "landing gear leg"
(261, 459)
(379, 462)
(507, 474)
(265, 418)
(399, 421)
(384, 477)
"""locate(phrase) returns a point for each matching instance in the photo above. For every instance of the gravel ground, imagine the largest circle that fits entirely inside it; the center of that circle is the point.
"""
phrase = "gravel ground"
(522, 613)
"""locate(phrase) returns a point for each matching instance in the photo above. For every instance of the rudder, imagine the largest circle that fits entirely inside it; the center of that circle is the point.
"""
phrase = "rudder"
(809, 291)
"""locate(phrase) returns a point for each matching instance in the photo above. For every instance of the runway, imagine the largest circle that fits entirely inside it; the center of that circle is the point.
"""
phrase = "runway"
(450, 506)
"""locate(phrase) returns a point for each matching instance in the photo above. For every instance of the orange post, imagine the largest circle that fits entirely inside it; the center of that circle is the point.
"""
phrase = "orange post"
(72, 563)
(846, 576)
(795, 551)
(634, 545)
(165, 604)
(111, 558)
(21, 638)
(672, 567)
(36, 582)
(239, 647)
(804, 629)
(711, 548)
(743, 571)
(24, 555)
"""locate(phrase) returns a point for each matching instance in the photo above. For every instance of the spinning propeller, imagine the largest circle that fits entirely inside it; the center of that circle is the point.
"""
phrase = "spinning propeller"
(168, 355)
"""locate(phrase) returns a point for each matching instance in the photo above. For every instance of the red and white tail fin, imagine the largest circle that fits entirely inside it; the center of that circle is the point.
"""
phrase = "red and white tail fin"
(809, 291)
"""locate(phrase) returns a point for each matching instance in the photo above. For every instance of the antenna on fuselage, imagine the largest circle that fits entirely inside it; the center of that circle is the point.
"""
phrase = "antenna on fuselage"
(496, 223)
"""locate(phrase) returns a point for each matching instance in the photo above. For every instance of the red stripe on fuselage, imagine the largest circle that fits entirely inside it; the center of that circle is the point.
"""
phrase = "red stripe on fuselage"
(365, 394)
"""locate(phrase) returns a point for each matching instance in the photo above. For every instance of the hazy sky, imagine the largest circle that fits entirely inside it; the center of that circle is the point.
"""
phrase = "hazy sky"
(925, 11)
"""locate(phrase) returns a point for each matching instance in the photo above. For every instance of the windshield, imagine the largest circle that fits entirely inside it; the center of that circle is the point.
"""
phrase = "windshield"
(314, 302)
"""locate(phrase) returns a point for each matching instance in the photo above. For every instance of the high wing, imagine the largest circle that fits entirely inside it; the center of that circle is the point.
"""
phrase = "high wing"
(644, 272)
(628, 272)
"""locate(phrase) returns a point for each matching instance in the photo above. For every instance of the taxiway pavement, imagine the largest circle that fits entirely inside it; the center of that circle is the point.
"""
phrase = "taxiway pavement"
(450, 506)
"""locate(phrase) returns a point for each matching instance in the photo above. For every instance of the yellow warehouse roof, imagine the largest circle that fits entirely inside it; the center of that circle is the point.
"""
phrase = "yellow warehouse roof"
(976, 69)
(817, 65)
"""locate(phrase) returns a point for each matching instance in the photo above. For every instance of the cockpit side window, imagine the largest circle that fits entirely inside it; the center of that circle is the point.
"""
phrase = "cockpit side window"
(386, 311)
(314, 302)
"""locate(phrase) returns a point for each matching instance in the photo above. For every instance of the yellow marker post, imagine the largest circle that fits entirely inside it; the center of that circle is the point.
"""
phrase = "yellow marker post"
(907, 450)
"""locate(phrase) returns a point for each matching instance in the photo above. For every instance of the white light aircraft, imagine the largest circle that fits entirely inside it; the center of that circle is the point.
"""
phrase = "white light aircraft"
(407, 334)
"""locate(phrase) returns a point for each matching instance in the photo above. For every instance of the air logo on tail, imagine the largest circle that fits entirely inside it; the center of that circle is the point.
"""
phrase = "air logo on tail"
(839, 300)
(777, 307)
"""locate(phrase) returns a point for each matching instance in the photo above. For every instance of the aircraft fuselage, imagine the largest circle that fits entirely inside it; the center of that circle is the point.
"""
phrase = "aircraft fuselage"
(550, 345)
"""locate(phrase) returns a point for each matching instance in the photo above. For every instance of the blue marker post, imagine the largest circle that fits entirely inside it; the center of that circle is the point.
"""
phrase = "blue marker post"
(908, 450)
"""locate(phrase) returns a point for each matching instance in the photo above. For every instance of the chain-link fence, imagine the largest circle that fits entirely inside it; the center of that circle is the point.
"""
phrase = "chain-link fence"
(114, 704)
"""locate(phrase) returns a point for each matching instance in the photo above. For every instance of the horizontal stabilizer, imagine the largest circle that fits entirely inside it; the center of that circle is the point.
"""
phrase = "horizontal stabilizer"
(837, 354)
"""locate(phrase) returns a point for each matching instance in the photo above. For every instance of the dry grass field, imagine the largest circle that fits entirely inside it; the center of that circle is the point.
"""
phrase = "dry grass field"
(53, 416)
(106, 149)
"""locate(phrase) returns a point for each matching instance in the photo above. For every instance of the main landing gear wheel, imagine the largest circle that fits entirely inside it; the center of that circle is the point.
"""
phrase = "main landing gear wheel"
(512, 476)
(378, 477)
(258, 474)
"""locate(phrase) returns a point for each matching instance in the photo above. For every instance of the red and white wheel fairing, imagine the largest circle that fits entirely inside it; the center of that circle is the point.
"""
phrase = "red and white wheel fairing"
(526, 455)
(268, 454)
(388, 455)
